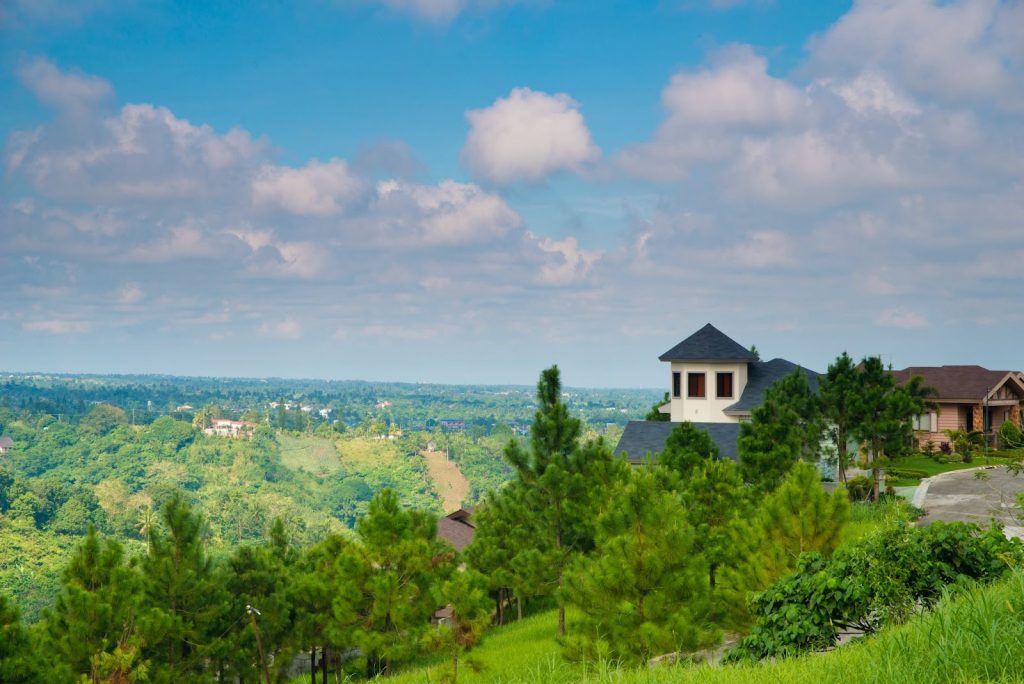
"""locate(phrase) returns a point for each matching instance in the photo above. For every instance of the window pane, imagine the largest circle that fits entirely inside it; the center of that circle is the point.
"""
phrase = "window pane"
(695, 385)
(676, 385)
(724, 385)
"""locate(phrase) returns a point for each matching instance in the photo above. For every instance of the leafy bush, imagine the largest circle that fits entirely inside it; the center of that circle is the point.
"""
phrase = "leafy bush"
(1010, 435)
(882, 581)
(859, 488)
(928, 449)
(946, 448)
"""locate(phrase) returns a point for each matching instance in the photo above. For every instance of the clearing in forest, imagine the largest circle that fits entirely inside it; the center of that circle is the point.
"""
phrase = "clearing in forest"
(315, 455)
(449, 482)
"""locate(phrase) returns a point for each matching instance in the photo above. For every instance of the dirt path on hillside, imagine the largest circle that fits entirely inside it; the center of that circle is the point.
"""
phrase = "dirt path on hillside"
(449, 482)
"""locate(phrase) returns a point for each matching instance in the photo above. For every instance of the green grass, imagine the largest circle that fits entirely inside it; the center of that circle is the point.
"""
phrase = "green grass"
(977, 636)
(315, 455)
(866, 517)
(933, 467)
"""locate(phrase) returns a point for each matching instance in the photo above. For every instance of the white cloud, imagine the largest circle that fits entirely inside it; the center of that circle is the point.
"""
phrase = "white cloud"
(737, 91)
(66, 90)
(287, 329)
(527, 136)
(130, 293)
(447, 213)
(439, 11)
(56, 326)
(899, 317)
(316, 189)
(570, 264)
(949, 50)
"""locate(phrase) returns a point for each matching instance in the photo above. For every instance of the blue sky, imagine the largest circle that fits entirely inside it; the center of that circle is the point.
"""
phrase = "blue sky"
(471, 190)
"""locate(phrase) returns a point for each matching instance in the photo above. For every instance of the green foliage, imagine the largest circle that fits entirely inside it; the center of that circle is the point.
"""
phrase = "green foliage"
(655, 414)
(687, 448)
(96, 610)
(796, 518)
(715, 501)
(884, 580)
(465, 594)
(859, 488)
(1010, 437)
(769, 444)
(180, 590)
(643, 592)
(17, 661)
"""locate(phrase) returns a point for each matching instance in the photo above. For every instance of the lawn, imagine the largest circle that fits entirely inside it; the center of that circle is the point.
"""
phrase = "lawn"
(933, 467)
(975, 636)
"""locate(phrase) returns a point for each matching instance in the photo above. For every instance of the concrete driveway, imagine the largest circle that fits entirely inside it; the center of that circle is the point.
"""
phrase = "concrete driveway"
(978, 495)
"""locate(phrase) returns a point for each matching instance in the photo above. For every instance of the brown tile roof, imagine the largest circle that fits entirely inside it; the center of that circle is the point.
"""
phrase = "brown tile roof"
(956, 382)
(456, 532)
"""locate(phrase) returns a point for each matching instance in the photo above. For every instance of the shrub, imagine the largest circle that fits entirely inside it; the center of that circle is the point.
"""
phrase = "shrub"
(946, 448)
(928, 449)
(1010, 435)
(906, 473)
(859, 488)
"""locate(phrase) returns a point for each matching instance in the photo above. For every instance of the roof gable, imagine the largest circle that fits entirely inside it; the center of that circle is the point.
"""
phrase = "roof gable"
(708, 344)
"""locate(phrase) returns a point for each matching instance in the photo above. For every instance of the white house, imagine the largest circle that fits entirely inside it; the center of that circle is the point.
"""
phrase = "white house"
(714, 382)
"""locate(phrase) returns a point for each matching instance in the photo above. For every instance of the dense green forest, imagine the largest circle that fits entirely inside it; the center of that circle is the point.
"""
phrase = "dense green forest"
(155, 552)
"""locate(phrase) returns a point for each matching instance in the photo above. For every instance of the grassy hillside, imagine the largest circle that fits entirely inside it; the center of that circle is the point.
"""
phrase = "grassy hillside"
(977, 636)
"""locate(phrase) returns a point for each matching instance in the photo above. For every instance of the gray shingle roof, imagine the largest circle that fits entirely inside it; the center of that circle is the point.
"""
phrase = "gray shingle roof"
(642, 437)
(763, 374)
(708, 344)
(6, 442)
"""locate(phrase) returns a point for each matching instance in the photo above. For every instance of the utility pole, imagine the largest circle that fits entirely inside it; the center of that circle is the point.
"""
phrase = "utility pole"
(253, 612)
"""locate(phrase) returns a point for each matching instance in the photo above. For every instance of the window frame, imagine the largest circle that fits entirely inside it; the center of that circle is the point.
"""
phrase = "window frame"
(677, 384)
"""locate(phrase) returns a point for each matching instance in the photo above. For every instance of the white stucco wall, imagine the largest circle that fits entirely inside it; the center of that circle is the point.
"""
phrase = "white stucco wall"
(709, 409)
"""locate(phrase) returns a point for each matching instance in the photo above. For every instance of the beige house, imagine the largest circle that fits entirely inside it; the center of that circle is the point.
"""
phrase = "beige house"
(222, 427)
(969, 398)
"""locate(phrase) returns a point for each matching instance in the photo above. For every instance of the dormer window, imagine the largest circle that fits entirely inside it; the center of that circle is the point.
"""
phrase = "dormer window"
(723, 385)
(695, 388)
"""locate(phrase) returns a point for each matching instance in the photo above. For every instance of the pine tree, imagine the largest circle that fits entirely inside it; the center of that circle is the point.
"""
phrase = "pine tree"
(553, 484)
(180, 591)
(96, 610)
(796, 518)
(715, 499)
(794, 392)
(643, 592)
(838, 390)
(399, 595)
(466, 594)
(17, 661)
(687, 448)
(769, 444)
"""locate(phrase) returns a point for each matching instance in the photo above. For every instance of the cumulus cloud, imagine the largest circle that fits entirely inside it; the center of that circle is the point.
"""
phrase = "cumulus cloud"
(527, 136)
(569, 263)
(447, 213)
(316, 189)
(948, 50)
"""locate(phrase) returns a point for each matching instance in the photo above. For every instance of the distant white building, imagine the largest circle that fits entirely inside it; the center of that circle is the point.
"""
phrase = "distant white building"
(222, 427)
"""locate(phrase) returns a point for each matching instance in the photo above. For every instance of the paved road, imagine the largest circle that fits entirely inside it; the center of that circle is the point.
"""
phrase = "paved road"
(965, 495)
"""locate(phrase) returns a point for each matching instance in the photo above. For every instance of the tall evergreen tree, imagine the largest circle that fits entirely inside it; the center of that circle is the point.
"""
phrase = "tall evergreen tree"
(715, 500)
(838, 389)
(554, 487)
(400, 592)
(180, 591)
(465, 593)
(96, 610)
(797, 517)
(18, 664)
(794, 392)
(643, 592)
(687, 448)
(769, 444)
